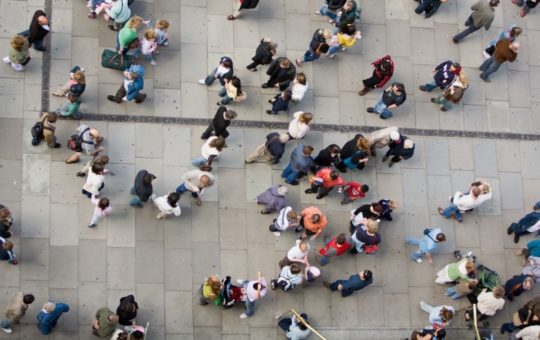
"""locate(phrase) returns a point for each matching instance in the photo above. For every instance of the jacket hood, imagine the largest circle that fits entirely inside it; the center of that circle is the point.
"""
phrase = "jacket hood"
(138, 69)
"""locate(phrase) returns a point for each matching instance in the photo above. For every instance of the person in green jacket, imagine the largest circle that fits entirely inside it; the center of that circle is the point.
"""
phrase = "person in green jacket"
(128, 34)
(18, 53)
(70, 109)
(455, 271)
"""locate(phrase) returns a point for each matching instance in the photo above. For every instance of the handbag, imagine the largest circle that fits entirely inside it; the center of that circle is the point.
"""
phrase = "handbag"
(370, 248)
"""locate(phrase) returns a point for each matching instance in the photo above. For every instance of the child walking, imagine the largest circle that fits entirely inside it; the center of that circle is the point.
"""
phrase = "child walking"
(149, 46)
(280, 102)
(161, 28)
(102, 209)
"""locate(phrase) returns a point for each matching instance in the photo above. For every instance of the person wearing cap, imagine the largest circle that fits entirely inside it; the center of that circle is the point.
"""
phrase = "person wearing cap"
(272, 150)
(443, 76)
(299, 164)
(504, 51)
(427, 244)
(195, 181)
(354, 283)
(253, 291)
(324, 181)
(222, 119)
(399, 149)
(273, 198)
(313, 221)
(392, 97)
(482, 16)
(379, 139)
(142, 188)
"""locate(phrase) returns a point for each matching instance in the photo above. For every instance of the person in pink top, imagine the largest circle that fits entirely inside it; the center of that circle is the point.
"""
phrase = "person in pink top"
(324, 181)
(102, 209)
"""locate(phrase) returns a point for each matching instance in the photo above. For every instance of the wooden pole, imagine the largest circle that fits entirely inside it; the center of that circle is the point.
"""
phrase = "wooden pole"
(475, 321)
(305, 323)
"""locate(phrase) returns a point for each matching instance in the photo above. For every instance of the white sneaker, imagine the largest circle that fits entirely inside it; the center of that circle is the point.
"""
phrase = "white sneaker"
(202, 82)
(153, 63)
(243, 316)
(7, 330)
(318, 12)
(277, 233)
(486, 55)
(418, 260)
(240, 281)
(6, 60)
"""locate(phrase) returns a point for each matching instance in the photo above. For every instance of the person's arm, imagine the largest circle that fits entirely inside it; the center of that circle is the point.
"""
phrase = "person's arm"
(259, 286)
(430, 259)
(211, 159)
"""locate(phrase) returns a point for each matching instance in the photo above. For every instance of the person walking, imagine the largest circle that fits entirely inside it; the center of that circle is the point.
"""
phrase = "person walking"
(6, 251)
(289, 278)
(365, 237)
(254, 290)
(49, 315)
(517, 285)
(210, 290)
(219, 124)
(526, 225)
(39, 28)
(15, 310)
(427, 244)
(76, 84)
(295, 329)
(102, 209)
(439, 316)
(94, 181)
(317, 46)
(104, 323)
(128, 34)
(399, 150)
(455, 271)
(444, 75)
(379, 139)
(142, 188)
(6, 221)
(511, 34)
(195, 181)
(210, 151)
(527, 6)
(272, 150)
(281, 72)
(299, 87)
(149, 46)
(392, 97)
(383, 69)
(131, 86)
(526, 316)
(313, 221)
(299, 126)
(461, 203)
(482, 16)
(354, 283)
(48, 121)
(331, 9)
(18, 56)
(299, 164)
(280, 102)
(347, 16)
(428, 6)
(231, 91)
(263, 54)
(340, 41)
(324, 181)
(452, 94)
(273, 198)
(354, 154)
(167, 205)
(336, 246)
(127, 310)
(86, 140)
(286, 219)
(297, 254)
(119, 12)
(243, 6)
(504, 51)
(223, 71)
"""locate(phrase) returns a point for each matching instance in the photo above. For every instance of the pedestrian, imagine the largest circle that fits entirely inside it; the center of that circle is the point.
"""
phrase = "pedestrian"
(231, 294)
(299, 87)
(354, 154)
(528, 315)
(354, 283)
(388, 206)
(461, 203)
(487, 304)
(102, 209)
(210, 151)
(86, 140)
(428, 334)
(49, 315)
(126, 37)
(289, 278)
(462, 288)
(366, 239)
(529, 333)
(6, 221)
(526, 225)
(15, 310)
(46, 130)
(167, 205)
(504, 51)
(324, 181)
(104, 323)
(455, 271)
(511, 34)
(210, 290)
(330, 9)
(39, 28)
(347, 16)
(272, 150)
(282, 72)
(317, 46)
(219, 124)
(254, 290)
(428, 6)
(427, 244)
(127, 310)
(18, 56)
(444, 75)
(294, 327)
(149, 46)
(287, 219)
(482, 16)
(280, 102)
(101, 161)
(263, 54)
(452, 94)
(527, 6)
(299, 126)
(313, 221)
(383, 69)
(6, 251)
(232, 91)
(297, 254)
(439, 316)
(70, 109)
(195, 181)
(243, 5)
(341, 41)
(273, 198)
(399, 150)
(94, 181)
(379, 139)
(392, 97)
(162, 36)
(131, 86)
(531, 252)
(75, 85)
(371, 211)
(352, 191)
(223, 71)
(299, 164)
(336, 246)
(142, 188)
(517, 285)
(119, 12)
(327, 157)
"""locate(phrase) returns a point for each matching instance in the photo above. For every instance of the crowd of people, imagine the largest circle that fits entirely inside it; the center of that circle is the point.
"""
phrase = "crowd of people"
(322, 172)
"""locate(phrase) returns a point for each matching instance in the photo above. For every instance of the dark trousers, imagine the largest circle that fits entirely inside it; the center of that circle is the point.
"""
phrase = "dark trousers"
(320, 190)
(38, 44)
(121, 93)
(395, 158)
(208, 132)
(253, 65)
(273, 81)
(286, 323)
(470, 29)
(429, 6)
(89, 194)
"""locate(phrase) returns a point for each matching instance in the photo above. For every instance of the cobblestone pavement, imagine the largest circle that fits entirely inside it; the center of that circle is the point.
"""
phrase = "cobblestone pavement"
(163, 262)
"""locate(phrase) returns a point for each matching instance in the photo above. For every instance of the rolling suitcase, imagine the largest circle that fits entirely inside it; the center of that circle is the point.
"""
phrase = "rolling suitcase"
(111, 59)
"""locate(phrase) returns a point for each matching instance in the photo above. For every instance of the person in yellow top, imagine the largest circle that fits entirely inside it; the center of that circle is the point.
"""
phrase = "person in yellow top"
(210, 290)
(340, 41)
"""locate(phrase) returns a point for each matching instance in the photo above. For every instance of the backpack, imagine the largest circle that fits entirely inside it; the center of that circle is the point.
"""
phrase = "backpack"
(37, 130)
(75, 141)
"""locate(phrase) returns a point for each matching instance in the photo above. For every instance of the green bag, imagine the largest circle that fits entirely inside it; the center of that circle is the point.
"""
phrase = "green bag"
(111, 59)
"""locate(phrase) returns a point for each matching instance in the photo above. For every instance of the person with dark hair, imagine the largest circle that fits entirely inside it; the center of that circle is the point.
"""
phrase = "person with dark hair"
(313, 221)
(48, 119)
(324, 181)
(231, 91)
(6, 221)
(102, 209)
(15, 310)
(429, 334)
(295, 329)
(210, 151)
(388, 207)
(223, 71)
(444, 75)
(127, 310)
(383, 69)
(354, 283)
(353, 191)
(327, 157)
(131, 86)
(482, 16)
(281, 72)
(290, 277)
(392, 97)
(104, 323)
(280, 102)
(331, 9)
(167, 204)
(317, 46)
(39, 28)
(528, 315)
(136, 335)
(504, 51)
(243, 5)
(6, 251)
(263, 54)
(253, 291)
(94, 181)
(427, 244)
(299, 164)
(334, 247)
(347, 16)
(403, 148)
(530, 223)
(438, 316)
(219, 124)
(371, 211)
(354, 154)
(142, 189)
(428, 6)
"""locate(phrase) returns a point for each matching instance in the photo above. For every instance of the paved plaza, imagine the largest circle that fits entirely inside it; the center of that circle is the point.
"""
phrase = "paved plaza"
(163, 262)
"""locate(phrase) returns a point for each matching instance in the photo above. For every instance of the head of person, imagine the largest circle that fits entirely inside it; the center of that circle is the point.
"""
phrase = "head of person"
(516, 32)
(282, 190)
(308, 150)
(386, 64)
(28, 299)
(364, 188)
(137, 335)
(52, 117)
(285, 63)
(350, 30)
(72, 97)
(292, 215)
(235, 81)
(172, 198)
(476, 191)
(455, 95)
(162, 24)
(334, 174)
(498, 292)
(301, 325)
(304, 247)
(5, 213)
(230, 114)
(349, 5)
(150, 35)
(446, 314)
(123, 336)
(49, 307)
(398, 88)
(226, 62)
(363, 144)
(301, 78)
(295, 268)
(17, 42)
(135, 22)
(43, 20)
(341, 239)
(103, 203)
(79, 77)
(103, 160)
(132, 75)
(98, 168)
(415, 336)
(392, 204)
(440, 237)
(286, 95)
(514, 46)
(323, 47)
(284, 137)
(394, 135)
(315, 218)
(334, 149)
(148, 178)
(376, 208)
(455, 68)
(408, 144)
(366, 275)
(494, 3)
(205, 181)
(305, 117)
(218, 143)
(112, 318)
(372, 227)
(469, 267)
(528, 284)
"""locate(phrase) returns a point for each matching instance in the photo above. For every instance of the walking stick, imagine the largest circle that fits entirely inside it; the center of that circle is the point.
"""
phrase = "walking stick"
(475, 322)
(304, 322)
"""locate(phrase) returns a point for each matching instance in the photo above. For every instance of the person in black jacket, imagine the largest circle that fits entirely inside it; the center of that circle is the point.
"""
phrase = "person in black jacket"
(281, 72)
(218, 125)
(263, 55)
(142, 188)
(327, 157)
(392, 97)
(6, 220)
(272, 150)
(243, 5)
(127, 311)
(331, 8)
(399, 149)
(354, 154)
(39, 28)
(223, 71)
(317, 46)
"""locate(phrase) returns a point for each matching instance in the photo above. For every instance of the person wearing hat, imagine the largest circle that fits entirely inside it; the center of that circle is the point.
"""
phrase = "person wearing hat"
(392, 97)
(383, 69)
(482, 16)
(272, 149)
(220, 123)
(379, 139)
(403, 148)
(273, 198)
(443, 76)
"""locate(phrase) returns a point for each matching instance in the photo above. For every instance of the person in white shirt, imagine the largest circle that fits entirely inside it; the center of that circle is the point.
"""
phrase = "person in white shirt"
(94, 181)
(461, 203)
(487, 304)
(209, 152)
(298, 253)
(222, 72)
(529, 333)
(149, 46)
(299, 87)
(296, 330)
(287, 218)
(167, 205)
(299, 126)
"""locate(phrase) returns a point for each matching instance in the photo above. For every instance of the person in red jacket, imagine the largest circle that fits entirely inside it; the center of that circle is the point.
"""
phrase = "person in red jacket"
(324, 181)
(334, 247)
(353, 191)
(383, 69)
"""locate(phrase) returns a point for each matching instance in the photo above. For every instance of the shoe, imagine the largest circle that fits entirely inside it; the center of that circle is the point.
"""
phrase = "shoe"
(486, 55)
(332, 55)
(240, 281)
(265, 212)
(6, 60)
(455, 40)
(113, 99)
(92, 15)
(7, 330)
(434, 100)
(457, 255)
(516, 238)
(80, 174)
(318, 12)
(319, 197)
(390, 164)
(153, 62)
(202, 82)
(509, 231)
(460, 220)
(293, 182)
(418, 260)
(519, 252)
(364, 91)
(264, 86)
(57, 145)
(331, 21)
(440, 210)
(273, 285)
(231, 17)
(384, 159)
(298, 229)
(205, 136)
(91, 225)
(423, 88)
(308, 191)
(443, 109)
(354, 251)
(268, 112)
(487, 80)
(252, 69)
(140, 100)
(112, 28)
(370, 110)
(276, 233)
(326, 284)
(429, 14)
(197, 201)
(243, 315)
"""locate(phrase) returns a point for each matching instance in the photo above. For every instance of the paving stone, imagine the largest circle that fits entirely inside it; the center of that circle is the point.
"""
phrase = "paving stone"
(397, 316)
(178, 264)
(167, 71)
(92, 296)
(35, 259)
(149, 259)
(511, 190)
(179, 314)
(529, 168)
(414, 188)
(35, 216)
(63, 267)
(121, 268)
(151, 295)
(508, 156)
(92, 260)
(498, 116)
(485, 158)
(62, 233)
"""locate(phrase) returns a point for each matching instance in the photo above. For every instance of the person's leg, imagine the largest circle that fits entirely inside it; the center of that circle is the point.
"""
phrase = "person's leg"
(490, 70)
(285, 323)
(451, 292)
(287, 171)
(334, 285)
(386, 113)
(238, 12)
(450, 210)
(421, 7)
(225, 100)
(379, 106)
(508, 327)
(253, 65)
(181, 188)
(425, 307)
(5, 324)
(161, 215)
(485, 65)
(525, 10)
(250, 308)
(323, 192)
(429, 86)
(458, 37)
(208, 132)
(259, 152)
(292, 177)
(198, 161)
(210, 78)
(121, 93)
(38, 45)
(333, 50)
(309, 56)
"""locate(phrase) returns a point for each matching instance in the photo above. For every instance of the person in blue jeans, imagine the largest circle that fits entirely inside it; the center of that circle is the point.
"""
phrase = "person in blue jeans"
(49, 315)
(444, 75)
(392, 97)
(317, 46)
(331, 8)
(354, 283)
(426, 245)
(253, 291)
(504, 51)
(294, 328)
(299, 164)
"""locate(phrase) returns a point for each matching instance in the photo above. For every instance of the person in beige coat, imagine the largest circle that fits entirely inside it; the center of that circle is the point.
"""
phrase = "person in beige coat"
(15, 311)
(378, 139)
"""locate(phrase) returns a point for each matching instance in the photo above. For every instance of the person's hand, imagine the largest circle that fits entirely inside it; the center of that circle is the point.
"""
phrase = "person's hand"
(277, 85)
(340, 287)
(124, 99)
